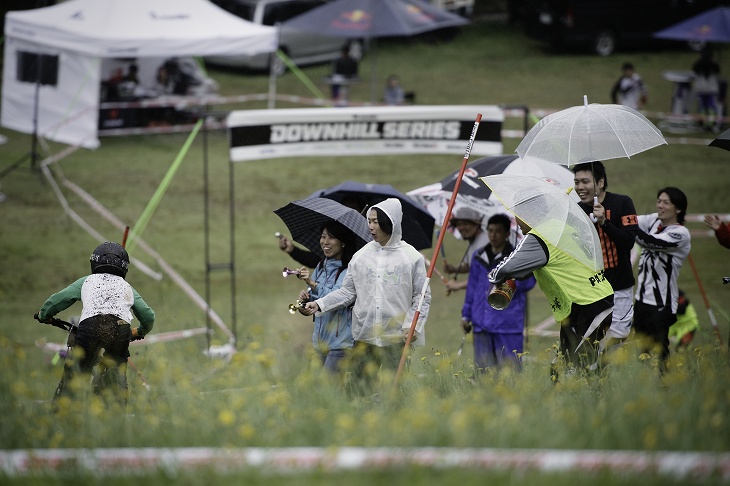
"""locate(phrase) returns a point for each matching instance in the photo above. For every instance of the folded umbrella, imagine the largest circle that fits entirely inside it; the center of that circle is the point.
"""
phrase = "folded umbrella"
(305, 219)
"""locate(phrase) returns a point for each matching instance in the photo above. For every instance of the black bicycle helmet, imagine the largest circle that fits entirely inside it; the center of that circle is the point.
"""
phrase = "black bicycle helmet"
(110, 258)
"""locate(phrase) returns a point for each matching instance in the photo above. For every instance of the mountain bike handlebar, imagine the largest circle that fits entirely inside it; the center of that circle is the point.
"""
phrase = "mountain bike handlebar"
(66, 326)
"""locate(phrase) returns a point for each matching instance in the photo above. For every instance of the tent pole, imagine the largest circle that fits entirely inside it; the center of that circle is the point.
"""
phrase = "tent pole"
(34, 137)
(232, 184)
(273, 60)
(206, 226)
(33, 154)
(373, 72)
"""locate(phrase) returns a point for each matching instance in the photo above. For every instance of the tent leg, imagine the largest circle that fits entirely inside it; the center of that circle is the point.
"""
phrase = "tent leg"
(33, 154)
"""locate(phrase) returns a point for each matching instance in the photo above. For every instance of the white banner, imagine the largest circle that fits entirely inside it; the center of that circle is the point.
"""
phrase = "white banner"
(369, 130)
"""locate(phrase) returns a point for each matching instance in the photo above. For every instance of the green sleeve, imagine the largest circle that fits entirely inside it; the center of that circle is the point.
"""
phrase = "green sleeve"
(144, 314)
(62, 300)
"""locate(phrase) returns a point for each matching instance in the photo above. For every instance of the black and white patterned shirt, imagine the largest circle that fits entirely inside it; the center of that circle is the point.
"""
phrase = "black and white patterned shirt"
(664, 250)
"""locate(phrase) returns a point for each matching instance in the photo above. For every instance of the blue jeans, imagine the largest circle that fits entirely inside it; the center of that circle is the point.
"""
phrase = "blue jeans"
(332, 361)
(497, 349)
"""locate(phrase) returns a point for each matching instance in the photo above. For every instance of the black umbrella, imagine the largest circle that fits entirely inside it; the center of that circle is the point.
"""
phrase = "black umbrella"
(305, 218)
(722, 141)
(417, 223)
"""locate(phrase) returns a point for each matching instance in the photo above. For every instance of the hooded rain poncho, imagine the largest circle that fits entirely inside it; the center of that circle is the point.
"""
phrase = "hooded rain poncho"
(385, 283)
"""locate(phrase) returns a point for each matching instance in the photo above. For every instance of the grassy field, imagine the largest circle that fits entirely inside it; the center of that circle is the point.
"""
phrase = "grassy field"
(264, 397)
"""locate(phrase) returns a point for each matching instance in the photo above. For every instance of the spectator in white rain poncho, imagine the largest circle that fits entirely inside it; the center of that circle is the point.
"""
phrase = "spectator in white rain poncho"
(384, 281)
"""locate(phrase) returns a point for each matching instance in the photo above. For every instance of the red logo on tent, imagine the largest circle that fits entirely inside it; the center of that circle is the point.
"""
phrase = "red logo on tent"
(418, 15)
(353, 20)
(705, 30)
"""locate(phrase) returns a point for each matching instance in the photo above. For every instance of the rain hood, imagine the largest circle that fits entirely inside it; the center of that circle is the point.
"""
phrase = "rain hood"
(385, 284)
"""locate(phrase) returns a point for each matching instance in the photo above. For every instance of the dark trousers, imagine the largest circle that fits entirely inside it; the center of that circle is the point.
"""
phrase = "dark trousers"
(651, 326)
(365, 362)
(97, 332)
(579, 350)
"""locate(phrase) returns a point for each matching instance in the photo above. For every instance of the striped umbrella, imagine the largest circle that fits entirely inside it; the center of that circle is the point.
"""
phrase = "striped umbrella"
(305, 219)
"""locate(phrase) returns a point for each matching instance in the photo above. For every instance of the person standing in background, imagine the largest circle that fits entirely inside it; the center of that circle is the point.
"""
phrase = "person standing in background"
(629, 90)
(468, 222)
(394, 94)
(343, 69)
(498, 334)
(706, 86)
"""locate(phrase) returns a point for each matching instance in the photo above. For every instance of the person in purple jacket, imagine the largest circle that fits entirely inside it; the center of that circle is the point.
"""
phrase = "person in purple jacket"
(498, 334)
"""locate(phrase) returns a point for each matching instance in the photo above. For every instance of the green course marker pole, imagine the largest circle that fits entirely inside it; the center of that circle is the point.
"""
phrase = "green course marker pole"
(141, 224)
(300, 74)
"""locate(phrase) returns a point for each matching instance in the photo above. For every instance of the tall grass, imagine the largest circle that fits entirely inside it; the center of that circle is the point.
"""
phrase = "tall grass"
(270, 394)
(248, 402)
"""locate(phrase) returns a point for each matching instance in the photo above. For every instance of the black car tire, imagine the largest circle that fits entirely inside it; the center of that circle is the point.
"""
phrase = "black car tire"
(604, 43)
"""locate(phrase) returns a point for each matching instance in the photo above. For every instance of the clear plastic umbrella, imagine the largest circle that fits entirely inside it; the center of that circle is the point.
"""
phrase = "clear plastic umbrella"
(590, 132)
(475, 195)
(551, 213)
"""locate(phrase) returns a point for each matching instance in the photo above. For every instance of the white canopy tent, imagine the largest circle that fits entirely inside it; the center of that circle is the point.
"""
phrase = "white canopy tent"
(53, 55)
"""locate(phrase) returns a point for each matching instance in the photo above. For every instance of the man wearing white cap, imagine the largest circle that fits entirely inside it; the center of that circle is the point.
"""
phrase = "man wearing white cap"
(468, 222)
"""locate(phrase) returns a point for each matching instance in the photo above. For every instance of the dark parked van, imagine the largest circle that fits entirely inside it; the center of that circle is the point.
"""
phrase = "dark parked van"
(602, 26)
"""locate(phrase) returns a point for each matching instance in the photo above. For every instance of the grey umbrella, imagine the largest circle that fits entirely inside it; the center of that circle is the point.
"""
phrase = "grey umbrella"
(305, 218)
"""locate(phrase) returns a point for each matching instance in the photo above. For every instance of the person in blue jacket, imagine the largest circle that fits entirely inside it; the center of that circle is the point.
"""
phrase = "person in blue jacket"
(498, 334)
(332, 336)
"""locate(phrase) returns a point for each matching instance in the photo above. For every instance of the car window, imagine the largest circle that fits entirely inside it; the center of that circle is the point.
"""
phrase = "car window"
(281, 12)
(245, 11)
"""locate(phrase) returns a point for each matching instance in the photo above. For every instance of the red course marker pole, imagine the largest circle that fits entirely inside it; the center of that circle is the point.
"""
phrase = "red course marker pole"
(436, 249)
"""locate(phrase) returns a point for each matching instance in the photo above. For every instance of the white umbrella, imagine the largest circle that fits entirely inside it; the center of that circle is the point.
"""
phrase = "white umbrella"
(590, 132)
(474, 194)
(551, 213)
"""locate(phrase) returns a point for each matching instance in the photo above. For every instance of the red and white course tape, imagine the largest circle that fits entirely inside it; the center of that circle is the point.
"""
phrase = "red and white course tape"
(693, 465)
